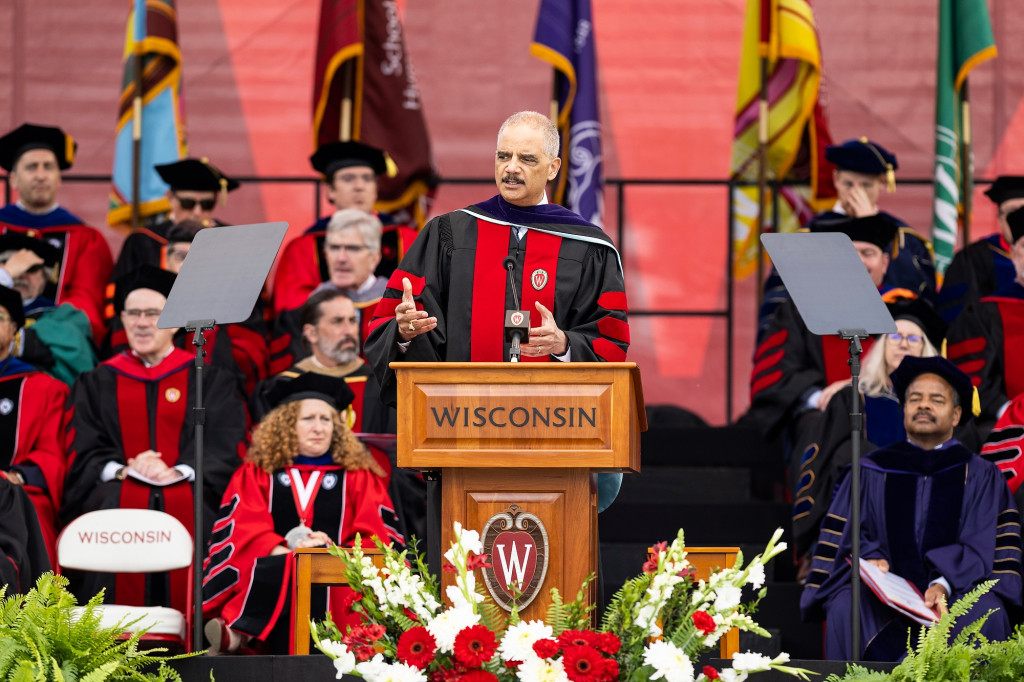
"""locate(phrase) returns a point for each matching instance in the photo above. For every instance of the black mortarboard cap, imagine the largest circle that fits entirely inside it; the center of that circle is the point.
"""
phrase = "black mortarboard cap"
(912, 367)
(196, 175)
(1006, 187)
(11, 301)
(15, 241)
(29, 136)
(875, 229)
(332, 390)
(864, 156)
(921, 313)
(333, 156)
(145, 276)
(1015, 220)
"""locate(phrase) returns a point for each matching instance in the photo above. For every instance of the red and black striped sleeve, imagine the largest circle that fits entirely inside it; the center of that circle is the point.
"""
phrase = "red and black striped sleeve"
(974, 343)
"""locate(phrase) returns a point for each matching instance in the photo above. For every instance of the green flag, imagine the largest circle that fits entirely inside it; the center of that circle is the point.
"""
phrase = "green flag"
(965, 40)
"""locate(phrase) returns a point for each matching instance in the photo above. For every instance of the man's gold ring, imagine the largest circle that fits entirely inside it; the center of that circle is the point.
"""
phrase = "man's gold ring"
(411, 327)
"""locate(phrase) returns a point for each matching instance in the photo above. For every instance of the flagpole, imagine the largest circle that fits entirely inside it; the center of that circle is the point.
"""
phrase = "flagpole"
(762, 174)
(348, 87)
(136, 137)
(966, 161)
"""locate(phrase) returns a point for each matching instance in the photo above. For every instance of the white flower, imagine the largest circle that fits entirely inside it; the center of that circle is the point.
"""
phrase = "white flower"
(344, 664)
(730, 675)
(755, 578)
(468, 540)
(728, 598)
(669, 662)
(517, 644)
(750, 662)
(446, 626)
(372, 669)
(540, 670)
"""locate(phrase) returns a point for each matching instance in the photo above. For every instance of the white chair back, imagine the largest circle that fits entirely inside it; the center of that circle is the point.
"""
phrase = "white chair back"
(125, 541)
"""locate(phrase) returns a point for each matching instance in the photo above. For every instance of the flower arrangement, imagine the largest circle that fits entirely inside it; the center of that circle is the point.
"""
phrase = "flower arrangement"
(655, 627)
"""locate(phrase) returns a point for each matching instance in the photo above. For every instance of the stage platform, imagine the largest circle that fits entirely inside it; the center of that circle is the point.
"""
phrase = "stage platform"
(317, 668)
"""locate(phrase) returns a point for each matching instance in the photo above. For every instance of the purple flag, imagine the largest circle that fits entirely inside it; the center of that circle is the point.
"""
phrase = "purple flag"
(564, 37)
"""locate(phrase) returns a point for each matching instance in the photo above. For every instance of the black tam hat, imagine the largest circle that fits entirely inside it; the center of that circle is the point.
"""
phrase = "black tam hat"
(921, 313)
(1016, 222)
(28, 137)
(196, 175)
(874, 229)
(912, 367)
(333, 156)
(15, 241)
(1006, 187)
(864, 156)
(145, 276)
(332, 390)
(10, 300)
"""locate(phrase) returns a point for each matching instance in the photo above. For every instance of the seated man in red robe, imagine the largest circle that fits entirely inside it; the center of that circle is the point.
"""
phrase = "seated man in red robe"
(132, 436)
(34, 156)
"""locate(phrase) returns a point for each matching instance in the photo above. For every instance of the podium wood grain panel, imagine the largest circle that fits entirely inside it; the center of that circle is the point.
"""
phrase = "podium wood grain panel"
(563, 499)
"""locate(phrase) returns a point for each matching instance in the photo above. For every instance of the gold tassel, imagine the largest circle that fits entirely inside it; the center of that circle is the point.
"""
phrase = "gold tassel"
(223, 192)
(942, 351)
(975, 402)
(890, 178)
(69, 149)
(392, 167)
(350, 417)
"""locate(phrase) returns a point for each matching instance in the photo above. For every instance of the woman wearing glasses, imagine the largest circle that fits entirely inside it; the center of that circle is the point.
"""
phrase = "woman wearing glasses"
(919, 333)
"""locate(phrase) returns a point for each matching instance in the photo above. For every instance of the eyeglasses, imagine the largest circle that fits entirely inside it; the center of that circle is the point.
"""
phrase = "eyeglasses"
(177, 255)
(134, 313)
(189, 204)
(912, 339)
(352, 249)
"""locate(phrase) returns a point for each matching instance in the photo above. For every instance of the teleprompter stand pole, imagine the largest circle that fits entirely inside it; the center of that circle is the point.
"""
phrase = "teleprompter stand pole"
(197, 327)
(856, 428)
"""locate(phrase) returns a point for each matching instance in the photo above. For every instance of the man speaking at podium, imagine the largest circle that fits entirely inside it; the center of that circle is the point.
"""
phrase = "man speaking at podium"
(448, 299)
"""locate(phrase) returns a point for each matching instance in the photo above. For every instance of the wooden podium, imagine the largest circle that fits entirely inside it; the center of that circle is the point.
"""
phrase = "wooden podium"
(516, 445)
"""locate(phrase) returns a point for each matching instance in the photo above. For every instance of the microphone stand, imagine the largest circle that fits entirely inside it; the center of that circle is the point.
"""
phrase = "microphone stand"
(515, 353)
(856, 425)
(197, 327)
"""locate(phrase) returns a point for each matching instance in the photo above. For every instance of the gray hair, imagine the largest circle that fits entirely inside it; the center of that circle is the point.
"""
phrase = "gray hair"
(537, 121)
(355, 219)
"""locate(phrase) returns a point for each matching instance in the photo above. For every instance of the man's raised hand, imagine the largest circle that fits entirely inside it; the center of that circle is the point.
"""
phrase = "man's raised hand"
(411, 322)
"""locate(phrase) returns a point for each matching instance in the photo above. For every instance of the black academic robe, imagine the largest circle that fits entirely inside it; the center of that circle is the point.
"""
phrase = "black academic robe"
(930, 513)
(250, 589)
(977, 270)
(911, 267)
(985, 342)
(828, 454)
(122, 408)
(457, 275)
(85, 258)
(23, 554)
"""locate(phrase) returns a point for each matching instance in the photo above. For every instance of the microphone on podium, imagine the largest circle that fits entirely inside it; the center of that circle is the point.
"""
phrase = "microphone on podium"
(517, 322)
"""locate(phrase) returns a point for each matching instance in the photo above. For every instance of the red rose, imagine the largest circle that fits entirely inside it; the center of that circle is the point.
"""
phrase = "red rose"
(416, 647)
(577, 638)
(513, 665)
(607, 643)
(583, 663)
(710, 673)
(546, 648)
(474, 646)
(704, 622)
(478, 676)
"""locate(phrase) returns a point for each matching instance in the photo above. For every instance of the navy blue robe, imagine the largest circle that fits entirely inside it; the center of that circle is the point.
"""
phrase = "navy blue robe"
(940, 513)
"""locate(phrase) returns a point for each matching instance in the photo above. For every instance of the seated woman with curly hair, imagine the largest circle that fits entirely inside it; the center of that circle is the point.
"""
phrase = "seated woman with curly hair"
(307, 482)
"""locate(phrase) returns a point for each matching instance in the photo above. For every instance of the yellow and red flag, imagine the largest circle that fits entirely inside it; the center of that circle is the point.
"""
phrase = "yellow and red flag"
(782, 32)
